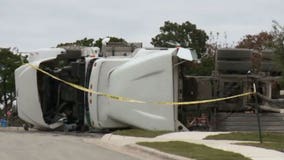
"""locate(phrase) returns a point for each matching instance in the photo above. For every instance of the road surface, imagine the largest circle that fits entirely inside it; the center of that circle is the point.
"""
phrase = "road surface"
(52, 146)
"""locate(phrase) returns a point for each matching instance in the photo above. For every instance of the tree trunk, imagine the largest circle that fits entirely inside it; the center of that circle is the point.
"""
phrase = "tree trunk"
(5, 98)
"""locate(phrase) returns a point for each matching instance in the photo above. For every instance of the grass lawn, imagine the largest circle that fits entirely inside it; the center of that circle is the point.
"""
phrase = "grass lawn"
(270, 140)
(139, 133)
(196, 151)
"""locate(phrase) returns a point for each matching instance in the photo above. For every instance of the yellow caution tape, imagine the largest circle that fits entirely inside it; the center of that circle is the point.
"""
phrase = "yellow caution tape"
(208, 100)
(125, 99)
(118, 98)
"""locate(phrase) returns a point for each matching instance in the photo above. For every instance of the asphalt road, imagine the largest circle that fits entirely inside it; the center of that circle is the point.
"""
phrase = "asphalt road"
(51, 146)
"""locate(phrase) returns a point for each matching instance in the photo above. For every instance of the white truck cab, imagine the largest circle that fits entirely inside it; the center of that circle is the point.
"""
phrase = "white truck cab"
(149, 75)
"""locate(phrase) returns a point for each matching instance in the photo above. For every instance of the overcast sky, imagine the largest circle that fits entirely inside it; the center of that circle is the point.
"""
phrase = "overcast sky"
(33, 24)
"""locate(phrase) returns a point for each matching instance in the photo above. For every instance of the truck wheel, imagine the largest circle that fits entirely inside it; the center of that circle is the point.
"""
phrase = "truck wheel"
(26, 127)
(234, 54)
(267, 54)
(269, 67)
(234, 66)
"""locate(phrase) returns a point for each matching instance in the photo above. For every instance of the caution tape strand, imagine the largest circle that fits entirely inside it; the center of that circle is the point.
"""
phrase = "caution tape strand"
(130, 100)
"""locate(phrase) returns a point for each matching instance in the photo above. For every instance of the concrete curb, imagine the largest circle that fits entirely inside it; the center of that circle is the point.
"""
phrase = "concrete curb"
(13, 129)
(129, 144)
(155, 153)
(254, 153)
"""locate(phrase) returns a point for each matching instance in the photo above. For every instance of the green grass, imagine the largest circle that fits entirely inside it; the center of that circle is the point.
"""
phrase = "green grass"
(195, 151)
(270, 140)
(139, 133)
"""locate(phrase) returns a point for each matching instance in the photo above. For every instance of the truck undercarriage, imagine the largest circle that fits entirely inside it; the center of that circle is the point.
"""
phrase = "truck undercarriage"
(58, 100)
(236, 71)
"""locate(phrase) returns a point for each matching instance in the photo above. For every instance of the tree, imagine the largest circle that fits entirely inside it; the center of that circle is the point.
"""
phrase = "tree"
(90, 42)
(207, 61)
(258, 41)
(87, 42)
(204, 68)
(184, 35)
(8, 63)
(278, 46)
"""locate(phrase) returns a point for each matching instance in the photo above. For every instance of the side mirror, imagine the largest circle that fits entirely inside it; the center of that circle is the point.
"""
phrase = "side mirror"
(186, 54)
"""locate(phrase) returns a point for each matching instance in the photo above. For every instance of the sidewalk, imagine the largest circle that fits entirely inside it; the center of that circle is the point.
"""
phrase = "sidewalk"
(254, 153)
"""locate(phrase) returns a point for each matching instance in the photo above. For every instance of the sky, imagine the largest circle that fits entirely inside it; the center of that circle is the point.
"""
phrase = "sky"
(34, 24)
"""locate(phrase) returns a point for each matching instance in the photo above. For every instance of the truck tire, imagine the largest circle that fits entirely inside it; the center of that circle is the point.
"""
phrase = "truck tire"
(70, 54)
(268, 66)
(26, 127)
(267, 54)
(234, 54)
(240, 67)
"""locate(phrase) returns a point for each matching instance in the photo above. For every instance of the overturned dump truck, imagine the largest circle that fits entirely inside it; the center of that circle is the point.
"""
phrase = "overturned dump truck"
(151, 75)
